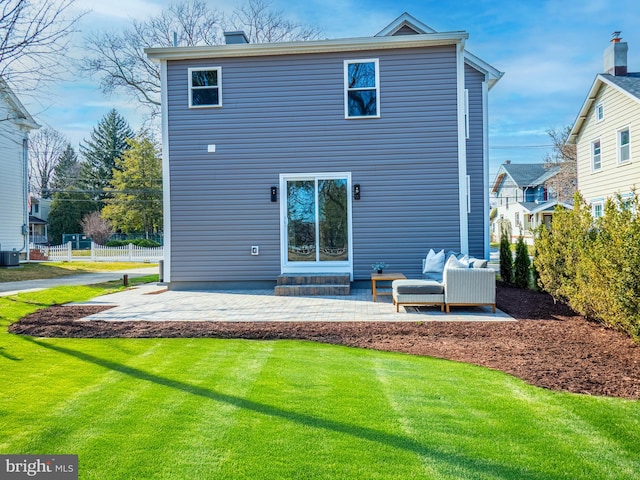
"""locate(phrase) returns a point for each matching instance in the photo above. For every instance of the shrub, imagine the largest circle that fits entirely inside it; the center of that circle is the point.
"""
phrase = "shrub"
(139, 242)
(522, 264)
(593, 264)
(506, 258)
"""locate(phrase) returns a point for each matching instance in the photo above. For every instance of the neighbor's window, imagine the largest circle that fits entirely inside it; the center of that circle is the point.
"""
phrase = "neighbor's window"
(361, 89)
(623, 145)
(596, 156)
(597, 209)
(599, 112)
(205, 87)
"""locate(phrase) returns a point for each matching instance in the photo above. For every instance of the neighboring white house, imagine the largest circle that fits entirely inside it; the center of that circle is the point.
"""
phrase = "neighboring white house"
(39, 220)
(15, 124)
(607, 132)
(522, 200)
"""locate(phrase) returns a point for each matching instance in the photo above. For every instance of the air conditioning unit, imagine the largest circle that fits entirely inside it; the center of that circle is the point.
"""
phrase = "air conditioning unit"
(9, 259)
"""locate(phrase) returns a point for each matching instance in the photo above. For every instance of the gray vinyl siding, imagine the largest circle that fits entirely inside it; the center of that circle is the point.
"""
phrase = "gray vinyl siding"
(285, 114)
(475, 162)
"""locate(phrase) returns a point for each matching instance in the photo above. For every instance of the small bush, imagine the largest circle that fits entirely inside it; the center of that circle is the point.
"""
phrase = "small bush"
(506, 259)
(522, 265)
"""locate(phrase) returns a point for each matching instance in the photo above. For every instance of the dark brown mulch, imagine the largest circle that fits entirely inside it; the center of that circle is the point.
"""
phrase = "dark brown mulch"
(550, 346)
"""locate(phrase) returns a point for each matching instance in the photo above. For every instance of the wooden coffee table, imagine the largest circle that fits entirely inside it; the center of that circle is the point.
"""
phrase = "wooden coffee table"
(383, 277)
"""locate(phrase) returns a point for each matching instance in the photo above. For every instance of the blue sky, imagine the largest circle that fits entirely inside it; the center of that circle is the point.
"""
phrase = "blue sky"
(550, 53)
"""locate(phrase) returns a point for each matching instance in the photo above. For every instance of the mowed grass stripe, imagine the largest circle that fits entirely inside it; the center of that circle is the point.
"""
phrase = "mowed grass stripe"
(314, 383)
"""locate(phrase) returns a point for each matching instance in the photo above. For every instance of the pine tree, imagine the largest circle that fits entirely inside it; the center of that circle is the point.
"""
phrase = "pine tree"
(522, 265)
(107, 143)
(65, 173)
(67, 210)
(135, 204)
(506, 259)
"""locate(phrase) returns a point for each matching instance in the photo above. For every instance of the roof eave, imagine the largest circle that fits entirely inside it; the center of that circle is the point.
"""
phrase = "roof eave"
(317, 46)
(492, 74)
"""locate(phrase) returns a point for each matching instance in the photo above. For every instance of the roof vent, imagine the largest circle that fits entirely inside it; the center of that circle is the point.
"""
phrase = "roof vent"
(234, 38)
(615, 56)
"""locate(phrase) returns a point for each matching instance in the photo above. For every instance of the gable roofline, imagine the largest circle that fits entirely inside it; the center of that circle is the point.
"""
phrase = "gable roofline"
(23, 118)
(590, 100)
(306, 47)
(535, 182)
(405, 20)
(491, 73)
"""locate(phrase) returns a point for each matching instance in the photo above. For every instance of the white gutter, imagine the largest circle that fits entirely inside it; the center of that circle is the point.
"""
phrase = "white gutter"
(318, 46)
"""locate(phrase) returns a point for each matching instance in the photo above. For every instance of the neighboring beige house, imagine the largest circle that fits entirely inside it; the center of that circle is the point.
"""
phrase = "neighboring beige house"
(607, 132)
(15, 124)
(522, 201)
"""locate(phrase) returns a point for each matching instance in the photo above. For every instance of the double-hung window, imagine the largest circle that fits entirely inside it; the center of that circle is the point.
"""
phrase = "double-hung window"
(623, 145)
(361, 88)
(596, 156)
(205, 87)
(597, 209)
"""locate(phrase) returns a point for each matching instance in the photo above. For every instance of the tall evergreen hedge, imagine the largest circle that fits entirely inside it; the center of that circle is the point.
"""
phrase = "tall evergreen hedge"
(506, 259)
(594, 264)
(521, 265)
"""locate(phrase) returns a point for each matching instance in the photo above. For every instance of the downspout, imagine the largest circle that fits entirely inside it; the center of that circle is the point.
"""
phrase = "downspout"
(25, 191)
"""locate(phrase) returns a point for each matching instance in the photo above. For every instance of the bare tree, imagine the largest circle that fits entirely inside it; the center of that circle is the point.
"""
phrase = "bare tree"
(563, 156)
(119, 58)
(46, 148)
(120, 62)
(96, 228)
(34, 37)
(261, 24)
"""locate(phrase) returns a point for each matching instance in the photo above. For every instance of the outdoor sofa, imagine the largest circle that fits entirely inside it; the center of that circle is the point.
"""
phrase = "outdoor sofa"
(456, 281)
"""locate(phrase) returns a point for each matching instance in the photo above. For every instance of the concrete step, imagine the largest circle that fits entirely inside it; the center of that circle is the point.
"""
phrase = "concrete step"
(314, 279)
(312, 290)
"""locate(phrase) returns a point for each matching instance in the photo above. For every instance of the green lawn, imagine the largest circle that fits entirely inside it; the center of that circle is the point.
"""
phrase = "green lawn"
(232, 409)
(33, 271)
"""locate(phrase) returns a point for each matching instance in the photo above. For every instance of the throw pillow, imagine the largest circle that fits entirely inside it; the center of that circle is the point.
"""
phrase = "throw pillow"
(453, 262)
(479, 264)
(434, 262)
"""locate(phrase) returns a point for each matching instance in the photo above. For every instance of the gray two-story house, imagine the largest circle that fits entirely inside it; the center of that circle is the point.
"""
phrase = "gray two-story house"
(322, 156)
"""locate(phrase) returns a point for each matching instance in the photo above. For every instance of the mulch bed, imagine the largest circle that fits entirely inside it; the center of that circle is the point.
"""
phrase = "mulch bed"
(550, 346)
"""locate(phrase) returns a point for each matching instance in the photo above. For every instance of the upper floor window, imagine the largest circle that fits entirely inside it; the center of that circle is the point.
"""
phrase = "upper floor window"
(205, 88)
(596, 156)
(599, 112)
(623, 145)
(361, 89)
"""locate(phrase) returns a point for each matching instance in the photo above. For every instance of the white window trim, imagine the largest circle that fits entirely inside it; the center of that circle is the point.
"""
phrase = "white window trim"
(346, 88)
(599, 106)
(619, 145)
(191, 87)
(593, 165)
(593, 208)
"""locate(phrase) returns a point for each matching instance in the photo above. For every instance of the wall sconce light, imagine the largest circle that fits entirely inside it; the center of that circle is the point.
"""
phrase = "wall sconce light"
(356, 191)
(274, 194)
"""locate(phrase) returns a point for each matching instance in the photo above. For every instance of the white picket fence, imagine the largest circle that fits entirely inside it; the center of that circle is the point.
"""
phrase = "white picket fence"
(100, 253)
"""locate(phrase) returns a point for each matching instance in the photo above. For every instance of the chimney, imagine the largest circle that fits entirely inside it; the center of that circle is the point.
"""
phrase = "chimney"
(615, 57)
(507, 162)
(233, 38)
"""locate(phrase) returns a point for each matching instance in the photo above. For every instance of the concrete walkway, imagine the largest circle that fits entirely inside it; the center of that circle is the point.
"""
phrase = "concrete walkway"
(11, 288)
(154, 303)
